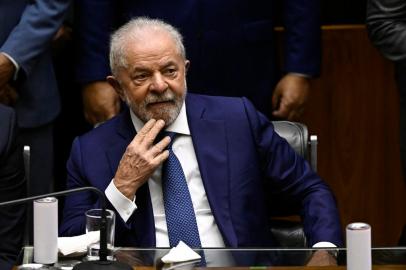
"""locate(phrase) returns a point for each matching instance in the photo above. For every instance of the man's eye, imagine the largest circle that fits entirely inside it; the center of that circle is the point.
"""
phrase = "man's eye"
(170, 71)
(140, 77)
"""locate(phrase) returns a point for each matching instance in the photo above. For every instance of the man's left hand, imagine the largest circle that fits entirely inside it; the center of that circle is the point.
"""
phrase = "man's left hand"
(290, 96)
(7, 69)
(322, 258)
(8, 95)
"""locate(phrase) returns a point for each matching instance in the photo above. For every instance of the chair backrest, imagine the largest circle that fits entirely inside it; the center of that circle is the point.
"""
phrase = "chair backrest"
(27, 156)
(28, 222)
(297, 136)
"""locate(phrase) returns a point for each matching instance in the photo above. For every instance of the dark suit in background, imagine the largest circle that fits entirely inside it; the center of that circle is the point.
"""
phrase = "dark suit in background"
(242, 162)
(26, 31)
(12, 186)
(230, 43)
(386, 22)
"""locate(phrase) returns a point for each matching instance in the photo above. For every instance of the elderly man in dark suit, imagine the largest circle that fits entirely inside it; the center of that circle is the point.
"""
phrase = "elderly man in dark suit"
(26, 31)
(12, 186)
(212, 178)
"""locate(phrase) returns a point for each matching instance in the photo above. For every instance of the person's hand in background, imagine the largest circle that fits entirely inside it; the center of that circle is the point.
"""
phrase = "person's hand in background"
(290, 96)
(100, 102)
(7, 70)
(8, 95)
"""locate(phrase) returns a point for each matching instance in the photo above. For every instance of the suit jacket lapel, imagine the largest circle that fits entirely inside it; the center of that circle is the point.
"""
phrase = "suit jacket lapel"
(126, 132)
(142, 220)
(210, 144)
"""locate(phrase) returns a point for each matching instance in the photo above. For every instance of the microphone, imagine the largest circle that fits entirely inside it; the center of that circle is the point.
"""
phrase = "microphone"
(102, 263)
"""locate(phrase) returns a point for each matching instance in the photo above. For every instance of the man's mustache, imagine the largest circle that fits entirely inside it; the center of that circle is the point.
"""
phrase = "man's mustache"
(155, 98)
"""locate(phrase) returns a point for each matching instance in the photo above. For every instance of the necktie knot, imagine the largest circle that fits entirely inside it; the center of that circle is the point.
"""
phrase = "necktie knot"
(172, 136)
(163, 134)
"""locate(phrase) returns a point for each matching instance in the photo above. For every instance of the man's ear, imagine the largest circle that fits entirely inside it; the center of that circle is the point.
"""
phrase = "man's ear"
(187, 64)
(116, 85)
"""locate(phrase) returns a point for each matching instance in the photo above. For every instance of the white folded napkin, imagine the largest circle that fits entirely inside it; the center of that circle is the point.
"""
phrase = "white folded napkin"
(77, 244)
(180, 253)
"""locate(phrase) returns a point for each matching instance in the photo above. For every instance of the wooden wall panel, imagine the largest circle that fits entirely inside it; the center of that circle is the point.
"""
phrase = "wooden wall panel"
(354, 109)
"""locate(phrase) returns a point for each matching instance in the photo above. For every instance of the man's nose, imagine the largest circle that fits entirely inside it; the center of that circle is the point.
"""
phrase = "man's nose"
(158, 83)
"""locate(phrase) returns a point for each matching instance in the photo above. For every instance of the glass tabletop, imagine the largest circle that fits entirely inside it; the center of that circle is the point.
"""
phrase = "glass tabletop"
(251, 257)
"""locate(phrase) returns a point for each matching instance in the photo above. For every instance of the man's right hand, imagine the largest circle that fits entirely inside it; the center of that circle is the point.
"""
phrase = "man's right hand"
(100, 102)
(141, 158)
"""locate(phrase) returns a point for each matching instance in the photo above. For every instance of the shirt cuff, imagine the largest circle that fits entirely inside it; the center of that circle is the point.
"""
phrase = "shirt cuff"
(121, 203)
(324, 245)
(16, 65)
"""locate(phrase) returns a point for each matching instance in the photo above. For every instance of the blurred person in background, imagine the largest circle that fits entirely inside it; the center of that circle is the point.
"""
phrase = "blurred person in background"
(26, 75)
(12, 186)
(386, 23)
(231, 45)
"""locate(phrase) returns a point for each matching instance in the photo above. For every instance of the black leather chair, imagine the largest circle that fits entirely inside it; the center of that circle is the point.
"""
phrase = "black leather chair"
(289, 233)
(297, 136)
(28, 239)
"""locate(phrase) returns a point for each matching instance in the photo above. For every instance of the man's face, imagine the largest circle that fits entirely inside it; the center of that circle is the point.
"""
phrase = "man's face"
(154, 82)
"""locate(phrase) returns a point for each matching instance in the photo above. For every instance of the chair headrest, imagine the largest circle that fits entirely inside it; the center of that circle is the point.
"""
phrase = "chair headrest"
(294, 133)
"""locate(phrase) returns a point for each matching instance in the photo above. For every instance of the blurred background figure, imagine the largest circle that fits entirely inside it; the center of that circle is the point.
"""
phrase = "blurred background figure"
(70, 121)
(386, 23)
(12, 186)
(27, 78)
(231, 45)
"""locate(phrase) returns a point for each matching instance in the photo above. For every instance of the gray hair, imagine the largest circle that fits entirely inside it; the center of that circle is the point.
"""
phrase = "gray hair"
(132, 30)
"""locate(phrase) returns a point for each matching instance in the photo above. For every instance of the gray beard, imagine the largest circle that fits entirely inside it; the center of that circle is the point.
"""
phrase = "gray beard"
(167, 113)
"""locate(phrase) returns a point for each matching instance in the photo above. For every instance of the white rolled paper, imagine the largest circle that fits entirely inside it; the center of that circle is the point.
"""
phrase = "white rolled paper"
(46, 230)
(359, 246)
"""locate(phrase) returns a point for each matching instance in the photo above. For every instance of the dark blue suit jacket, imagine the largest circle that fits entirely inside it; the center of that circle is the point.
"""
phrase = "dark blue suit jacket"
(230, 43)
(242, 162)
(26, 32)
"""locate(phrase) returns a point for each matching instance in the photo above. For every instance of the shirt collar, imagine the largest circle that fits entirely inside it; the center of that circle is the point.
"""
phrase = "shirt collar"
(180, 125)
